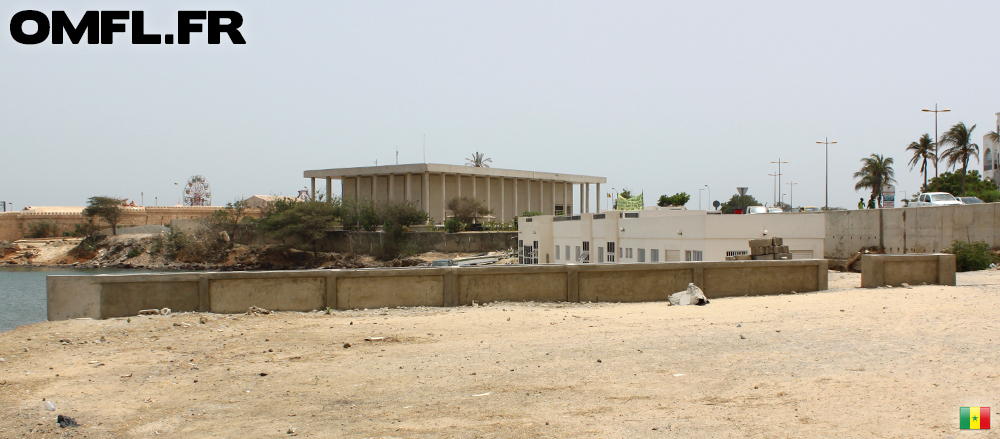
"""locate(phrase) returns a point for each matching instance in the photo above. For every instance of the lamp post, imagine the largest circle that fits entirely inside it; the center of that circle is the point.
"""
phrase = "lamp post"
(791, 194)
(826, 200)
(779, 162)
(774, 199)
(936, 139)
(699, 197)
(709, 197)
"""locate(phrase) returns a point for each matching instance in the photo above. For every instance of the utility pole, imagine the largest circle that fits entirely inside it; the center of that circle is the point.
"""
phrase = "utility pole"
(826, 201)
(779, 162)
(937, 139)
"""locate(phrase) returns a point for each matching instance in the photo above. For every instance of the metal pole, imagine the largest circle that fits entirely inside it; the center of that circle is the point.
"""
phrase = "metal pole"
(826, 199)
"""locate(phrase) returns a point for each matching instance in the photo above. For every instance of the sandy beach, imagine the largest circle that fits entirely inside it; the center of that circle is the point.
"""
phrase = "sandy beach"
(848, 362)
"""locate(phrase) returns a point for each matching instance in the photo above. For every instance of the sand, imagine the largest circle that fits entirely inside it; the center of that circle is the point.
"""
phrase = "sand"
(892, 362)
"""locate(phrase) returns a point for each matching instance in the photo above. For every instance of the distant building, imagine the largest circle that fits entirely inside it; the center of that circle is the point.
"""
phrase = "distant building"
(991, 156)
(506, 192)
(663, 235)
(262, 201)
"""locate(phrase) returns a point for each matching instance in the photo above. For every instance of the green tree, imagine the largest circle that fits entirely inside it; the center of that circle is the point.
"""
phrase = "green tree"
(923, 150)
(360, 214)
(106, 208)
(962, 149)
(738, 202)
(308, 221)
(975, 185)
(876, 172)
(232, 218)
(398, 219)
(673, 200)
(467, 209)
(478, 160)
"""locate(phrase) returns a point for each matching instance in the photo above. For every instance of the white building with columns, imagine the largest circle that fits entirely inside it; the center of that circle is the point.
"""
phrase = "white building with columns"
(507, 192)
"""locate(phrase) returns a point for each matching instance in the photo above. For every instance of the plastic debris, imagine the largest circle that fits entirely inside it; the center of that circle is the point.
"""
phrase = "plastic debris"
(66, 421)
(692, 296)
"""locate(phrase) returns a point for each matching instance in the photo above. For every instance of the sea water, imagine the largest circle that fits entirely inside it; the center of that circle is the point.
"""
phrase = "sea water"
(22, 292)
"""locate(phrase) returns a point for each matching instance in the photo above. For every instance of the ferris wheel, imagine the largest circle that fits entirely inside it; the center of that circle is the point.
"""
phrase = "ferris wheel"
(197, 192)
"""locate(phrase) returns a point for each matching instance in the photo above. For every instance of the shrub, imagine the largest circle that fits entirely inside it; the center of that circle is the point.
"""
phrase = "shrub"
(454, 225)
(42, 229)
(135, 251)
(972, 256)
(467, 209)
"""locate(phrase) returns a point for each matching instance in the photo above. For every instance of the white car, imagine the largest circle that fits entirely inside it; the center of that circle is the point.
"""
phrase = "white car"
(935, 199)
(753, 210)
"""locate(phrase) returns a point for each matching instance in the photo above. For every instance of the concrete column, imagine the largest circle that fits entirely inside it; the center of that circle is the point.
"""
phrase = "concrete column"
(489, 193)
(425, 192)
(444, 198)
(528, 182)
(407, 188)
(374, 186)
(458, 184)
(313, 181)
(565, 199)
(329, 189)
(474, 197)
(553, 199)
(503, 200)
(516, 213)
(588, 198)
(357, 187)
(580, 209)
(392, 185)
(598, 190)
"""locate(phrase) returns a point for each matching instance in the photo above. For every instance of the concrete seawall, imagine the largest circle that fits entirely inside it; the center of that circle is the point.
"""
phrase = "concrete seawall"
(105, 296)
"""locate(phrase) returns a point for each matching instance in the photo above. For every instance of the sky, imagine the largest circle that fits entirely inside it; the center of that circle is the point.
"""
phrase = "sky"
(659, 97)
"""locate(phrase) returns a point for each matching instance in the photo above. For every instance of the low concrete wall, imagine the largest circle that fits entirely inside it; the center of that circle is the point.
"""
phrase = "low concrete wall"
(104, 296)
(894, 270)
(910, 230)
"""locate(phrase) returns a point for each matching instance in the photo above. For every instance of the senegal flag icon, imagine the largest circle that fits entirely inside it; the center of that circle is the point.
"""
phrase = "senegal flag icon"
(974, 418)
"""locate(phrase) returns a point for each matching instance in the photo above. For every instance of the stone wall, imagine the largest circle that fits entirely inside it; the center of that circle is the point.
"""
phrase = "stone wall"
(107, 296)
(895, 270)
(465, 242)
(14, 225)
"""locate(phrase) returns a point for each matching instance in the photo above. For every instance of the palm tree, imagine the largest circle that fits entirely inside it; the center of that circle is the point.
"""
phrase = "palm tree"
(876, 172)
(923, 150)
(478, 160)
(960, 137)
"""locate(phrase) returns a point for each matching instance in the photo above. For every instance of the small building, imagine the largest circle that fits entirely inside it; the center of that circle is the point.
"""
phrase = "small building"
(262, 201)
(991, 156)
(663, 235)
(507, 192)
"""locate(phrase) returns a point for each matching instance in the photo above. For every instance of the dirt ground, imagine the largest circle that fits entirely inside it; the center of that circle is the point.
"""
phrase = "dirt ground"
(891, 362)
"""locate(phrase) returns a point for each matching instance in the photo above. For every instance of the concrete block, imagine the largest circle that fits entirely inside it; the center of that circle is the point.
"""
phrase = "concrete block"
(769, 257)
(760, 242)
(744, 258)
(782, 256)
(776, 241)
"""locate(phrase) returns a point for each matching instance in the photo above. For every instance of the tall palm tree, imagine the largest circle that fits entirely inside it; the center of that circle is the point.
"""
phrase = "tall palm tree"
(923, 150)
(876, 172)
(478, 160)
(960, 137)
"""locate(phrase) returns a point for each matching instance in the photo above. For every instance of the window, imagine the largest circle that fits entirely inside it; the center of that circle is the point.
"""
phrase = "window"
(642, 255)
(672, 255)
(567, 251)
(559, 211)
(600, 255)
(631, 214)
(654, 255)
(628, 253)
(611, 252)
(692, 255)
(585, 256)
(557, 252)
(687, 255)
(737, 252)
(577, 259)
(520, 253)
(534, 253)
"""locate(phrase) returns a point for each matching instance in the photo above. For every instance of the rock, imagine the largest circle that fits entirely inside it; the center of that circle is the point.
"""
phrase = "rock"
(223, 236)
(692, 296)
(203, 320)
(255, 311)
(66, 421)
(742, 337)
(149, 312)
(347, 345)
(165, 311)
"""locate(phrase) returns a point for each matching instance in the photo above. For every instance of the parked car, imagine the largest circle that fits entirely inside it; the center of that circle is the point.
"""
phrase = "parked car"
(443, 263)
(774, 210)
(935, 199)
(751, 210)
(810, 209)
(970, 200)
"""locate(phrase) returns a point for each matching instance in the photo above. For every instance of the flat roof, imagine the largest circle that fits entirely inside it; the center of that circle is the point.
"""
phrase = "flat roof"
(420, 168)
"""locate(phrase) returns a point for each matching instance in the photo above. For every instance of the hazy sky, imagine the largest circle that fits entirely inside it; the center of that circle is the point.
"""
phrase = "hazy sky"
(659, 97)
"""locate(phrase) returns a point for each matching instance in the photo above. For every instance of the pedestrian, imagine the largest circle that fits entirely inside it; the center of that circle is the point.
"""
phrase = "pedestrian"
(871, 202)
(861, 203)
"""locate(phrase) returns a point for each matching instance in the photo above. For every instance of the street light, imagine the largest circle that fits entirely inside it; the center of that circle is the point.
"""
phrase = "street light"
(791, 193)
(936, 139)
(699, 197)
(774, 199)
(709, 198)
(826, 200)
(779, 162)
